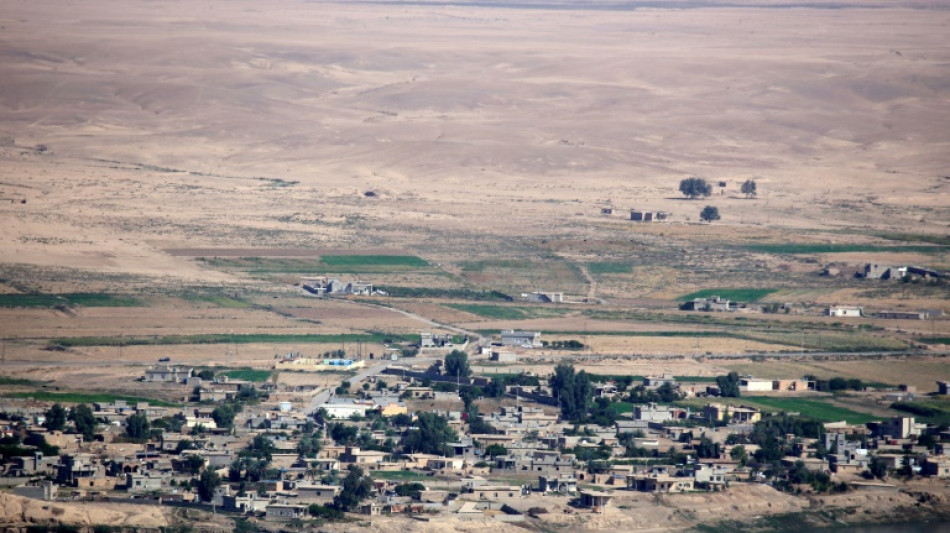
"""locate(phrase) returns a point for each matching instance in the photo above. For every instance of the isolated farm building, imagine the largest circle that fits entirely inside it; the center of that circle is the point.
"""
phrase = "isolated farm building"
(526, 339)
(648, 216)
(541, 297)
(606, 210)
(713, 303)
(751, 384)
(434, 340)
(845, 311)
(167, 374)
(943, 387)
(874, 271)
(595, 499)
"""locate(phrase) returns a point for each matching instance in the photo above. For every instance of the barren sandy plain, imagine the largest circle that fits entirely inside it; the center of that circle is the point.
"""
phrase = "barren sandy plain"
(139, 138)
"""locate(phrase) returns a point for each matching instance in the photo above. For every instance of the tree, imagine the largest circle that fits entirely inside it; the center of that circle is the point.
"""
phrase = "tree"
(493, 450)
(431, 435)
(136, 427)
(456, 364)
(573, 391)
(223, 416)
(84, 420)
(55, 418)
(739, 454)
(709, 214)
(356, 488)
(207, 482)
(748, 188)
(695, 187)
(409, 489)
(728, 385)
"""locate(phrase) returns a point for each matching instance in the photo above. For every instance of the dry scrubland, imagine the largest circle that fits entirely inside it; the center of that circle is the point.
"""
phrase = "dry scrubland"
(200, 158)
(197, 158)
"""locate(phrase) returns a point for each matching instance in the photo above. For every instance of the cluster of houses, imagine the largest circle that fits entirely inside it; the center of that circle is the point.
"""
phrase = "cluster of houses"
(530, 448)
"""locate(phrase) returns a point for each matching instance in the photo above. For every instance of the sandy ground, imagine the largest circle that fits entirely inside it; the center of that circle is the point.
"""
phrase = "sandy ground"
(15, 510)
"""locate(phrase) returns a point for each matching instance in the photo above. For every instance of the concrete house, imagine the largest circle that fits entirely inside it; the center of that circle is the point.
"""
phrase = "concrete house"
(845, 311)
(167, 374)
(525, 339)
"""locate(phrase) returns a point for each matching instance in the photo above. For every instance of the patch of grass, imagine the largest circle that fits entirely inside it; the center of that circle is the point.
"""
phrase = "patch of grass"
(85, 397)
(7, 380)
(217, 338)
(74, 299)
(247, 374)
(480, 266)
(609, 268)
(916, 237)
(792, 248)
(452, 294)
(621, 408)
(934, 340)
(350, 261)
(219, 300)
(398, 474)
(504, 312)
(327, 263)
(738, 295)
(931, 410)
(816, 408)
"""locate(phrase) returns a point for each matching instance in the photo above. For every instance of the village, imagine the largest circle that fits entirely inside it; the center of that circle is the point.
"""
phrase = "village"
(425, 437)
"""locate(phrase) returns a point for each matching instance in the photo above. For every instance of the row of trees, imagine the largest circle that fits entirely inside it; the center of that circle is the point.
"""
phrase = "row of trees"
(696, 187)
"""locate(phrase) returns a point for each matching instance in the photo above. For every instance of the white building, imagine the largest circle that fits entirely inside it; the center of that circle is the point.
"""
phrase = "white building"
(345, 408)
(751, 384)
(526, 339)
(845, 311)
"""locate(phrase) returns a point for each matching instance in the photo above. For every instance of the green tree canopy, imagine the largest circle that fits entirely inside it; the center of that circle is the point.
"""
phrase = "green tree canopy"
(573, 391)
(695, 187)
(137, 426)
(207, 482)
(728, 385)
(709, 214)
(223, 416)
(55, 418)
(84, 420)
(431, 434)
(748, 188)
(356, 488)
(456, 364)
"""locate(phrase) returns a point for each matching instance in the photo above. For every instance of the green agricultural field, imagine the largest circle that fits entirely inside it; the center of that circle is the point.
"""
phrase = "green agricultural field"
(362, 261)
(481, 266)
(327, 263)
(738, 295)
(247, 374)
(398, 475)
(85, 397)
(224, 339)
(504, 312)
(838, 248)
(85, 299)
(448, 294)
(7, 380)
(934, 340)
(817, 408)
(609, 268)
